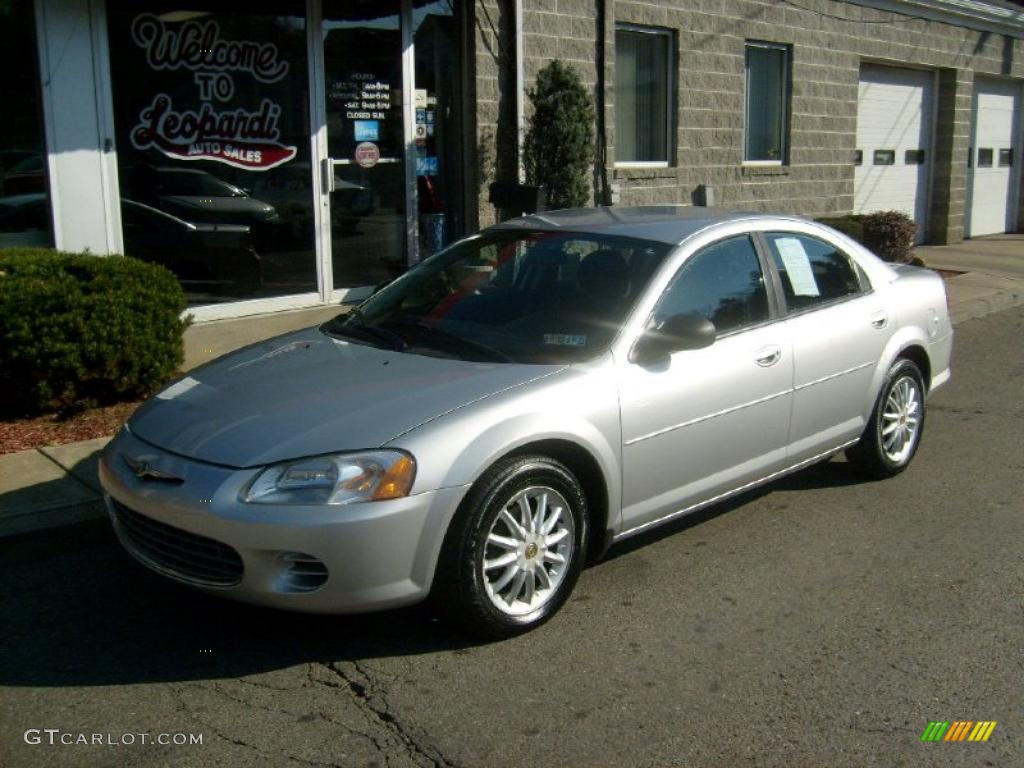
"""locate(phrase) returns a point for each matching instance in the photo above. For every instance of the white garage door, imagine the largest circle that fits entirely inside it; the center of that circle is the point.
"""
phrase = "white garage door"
(894, 142)
(995, 150)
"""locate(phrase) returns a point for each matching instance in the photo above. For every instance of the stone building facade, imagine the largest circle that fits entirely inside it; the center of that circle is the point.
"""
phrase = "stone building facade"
(829, 42)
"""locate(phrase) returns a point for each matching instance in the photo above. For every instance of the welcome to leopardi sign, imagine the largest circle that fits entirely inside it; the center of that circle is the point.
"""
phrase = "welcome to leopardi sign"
(249, 139)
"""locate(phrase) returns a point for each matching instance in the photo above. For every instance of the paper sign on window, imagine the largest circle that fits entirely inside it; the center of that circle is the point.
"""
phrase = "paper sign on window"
(798, 266)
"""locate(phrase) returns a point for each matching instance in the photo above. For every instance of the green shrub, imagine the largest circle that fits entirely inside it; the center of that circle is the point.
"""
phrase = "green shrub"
(79, 328)
(890, 234)
(558, 149)
(850, 225)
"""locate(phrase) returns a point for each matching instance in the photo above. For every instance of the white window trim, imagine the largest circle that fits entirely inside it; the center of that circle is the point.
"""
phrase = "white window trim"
(627, 164)
(670, 101)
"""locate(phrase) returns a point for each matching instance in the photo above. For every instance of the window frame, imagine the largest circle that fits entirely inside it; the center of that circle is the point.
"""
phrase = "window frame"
(671, 95)
(776, 310)
(786, 96)
(765, 251)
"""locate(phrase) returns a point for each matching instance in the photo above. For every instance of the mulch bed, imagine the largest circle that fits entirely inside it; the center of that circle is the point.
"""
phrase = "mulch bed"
(52, 429)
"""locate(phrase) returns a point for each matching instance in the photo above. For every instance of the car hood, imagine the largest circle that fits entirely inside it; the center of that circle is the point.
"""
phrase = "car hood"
(305, 393)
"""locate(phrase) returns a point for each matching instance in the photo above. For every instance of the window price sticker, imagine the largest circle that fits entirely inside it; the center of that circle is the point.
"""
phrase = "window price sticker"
(798, 266)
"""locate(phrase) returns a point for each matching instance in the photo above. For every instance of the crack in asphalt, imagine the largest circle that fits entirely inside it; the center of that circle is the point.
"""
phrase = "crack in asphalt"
(289, 713)
(264, 753)
(192, 715)
(357, 680)
(961, 410)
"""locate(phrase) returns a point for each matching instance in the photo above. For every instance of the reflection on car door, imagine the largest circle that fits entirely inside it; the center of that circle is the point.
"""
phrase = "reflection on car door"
(704, 422)
(839, 328)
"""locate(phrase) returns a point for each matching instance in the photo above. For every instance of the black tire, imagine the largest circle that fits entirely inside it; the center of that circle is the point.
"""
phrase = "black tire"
(461, 586)
(869, 454)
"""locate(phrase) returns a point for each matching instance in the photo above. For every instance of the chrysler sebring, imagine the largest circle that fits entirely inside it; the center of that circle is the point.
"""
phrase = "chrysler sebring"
(506, 410)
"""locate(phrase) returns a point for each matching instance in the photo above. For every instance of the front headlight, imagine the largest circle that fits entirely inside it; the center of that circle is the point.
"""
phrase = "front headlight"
(345, 478)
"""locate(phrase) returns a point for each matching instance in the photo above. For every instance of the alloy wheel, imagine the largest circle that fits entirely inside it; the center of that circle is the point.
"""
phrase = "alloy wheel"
(528, 550)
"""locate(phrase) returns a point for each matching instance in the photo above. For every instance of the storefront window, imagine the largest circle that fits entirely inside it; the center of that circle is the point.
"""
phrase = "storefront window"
(437, 131)
(25, 218)
(211, 105)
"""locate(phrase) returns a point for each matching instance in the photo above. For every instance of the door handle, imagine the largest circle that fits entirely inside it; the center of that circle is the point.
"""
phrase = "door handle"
(327, 175)
(768, 356)
(879, 319)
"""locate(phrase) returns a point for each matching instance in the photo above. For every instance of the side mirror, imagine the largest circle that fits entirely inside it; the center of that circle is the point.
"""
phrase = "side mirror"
(677, 333)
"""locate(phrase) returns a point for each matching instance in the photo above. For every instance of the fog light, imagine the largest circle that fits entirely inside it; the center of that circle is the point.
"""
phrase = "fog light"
(300, 573)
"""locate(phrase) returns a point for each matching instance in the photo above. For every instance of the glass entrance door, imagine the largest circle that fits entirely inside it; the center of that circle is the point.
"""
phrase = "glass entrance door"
(391, 90)
(364, 173)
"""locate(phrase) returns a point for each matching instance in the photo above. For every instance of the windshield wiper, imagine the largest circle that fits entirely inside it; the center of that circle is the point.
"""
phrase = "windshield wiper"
(431, 333)
(353, 324)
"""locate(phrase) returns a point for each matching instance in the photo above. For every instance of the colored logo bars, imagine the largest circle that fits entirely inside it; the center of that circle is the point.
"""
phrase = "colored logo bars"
(959, 730)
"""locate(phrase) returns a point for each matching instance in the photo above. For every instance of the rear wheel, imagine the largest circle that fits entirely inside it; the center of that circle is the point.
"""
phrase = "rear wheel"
(515, 548)
(893, 433)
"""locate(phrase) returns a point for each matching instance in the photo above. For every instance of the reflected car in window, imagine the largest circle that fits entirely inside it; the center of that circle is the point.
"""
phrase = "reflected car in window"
(503, 412)
(25, 220)
(207, 258)
(195, 195)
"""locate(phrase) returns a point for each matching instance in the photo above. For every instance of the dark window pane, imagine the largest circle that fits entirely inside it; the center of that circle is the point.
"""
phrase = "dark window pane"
(438, 124)
(642, 96)
(885, 157)
(723, 283)
(985, 158)
(767, 75)
(913, 157)
(1005, 158)
(24, 201)
(858, 157)
(813, 272)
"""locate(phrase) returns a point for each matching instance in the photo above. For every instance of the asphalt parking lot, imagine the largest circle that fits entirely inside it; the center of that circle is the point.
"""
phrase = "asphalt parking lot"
(821, 621)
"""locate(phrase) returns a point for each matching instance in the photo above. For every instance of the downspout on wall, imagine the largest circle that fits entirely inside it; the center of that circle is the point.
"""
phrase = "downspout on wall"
(520, 89)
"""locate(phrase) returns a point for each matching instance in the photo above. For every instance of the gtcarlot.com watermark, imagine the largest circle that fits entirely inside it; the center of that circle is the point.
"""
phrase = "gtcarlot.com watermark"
(56, 737)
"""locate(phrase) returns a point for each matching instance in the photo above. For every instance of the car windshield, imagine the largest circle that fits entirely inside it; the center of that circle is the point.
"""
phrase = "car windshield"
(510, 296)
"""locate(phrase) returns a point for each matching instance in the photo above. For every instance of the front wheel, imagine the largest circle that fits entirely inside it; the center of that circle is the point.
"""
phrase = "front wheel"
(894, 430)
(515, 548)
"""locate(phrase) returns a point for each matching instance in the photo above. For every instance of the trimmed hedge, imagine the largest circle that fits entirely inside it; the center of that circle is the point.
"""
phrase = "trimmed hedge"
(78, 329)
(889, 234)
(852, 225)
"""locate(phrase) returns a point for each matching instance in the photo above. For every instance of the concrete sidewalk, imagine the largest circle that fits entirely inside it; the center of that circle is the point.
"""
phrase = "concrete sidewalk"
(56, 486)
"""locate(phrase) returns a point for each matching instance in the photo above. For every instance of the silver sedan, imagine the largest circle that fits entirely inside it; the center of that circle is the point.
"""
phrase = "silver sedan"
(512, 406)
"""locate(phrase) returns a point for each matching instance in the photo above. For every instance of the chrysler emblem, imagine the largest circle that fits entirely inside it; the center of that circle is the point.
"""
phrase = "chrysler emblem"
(141, 468)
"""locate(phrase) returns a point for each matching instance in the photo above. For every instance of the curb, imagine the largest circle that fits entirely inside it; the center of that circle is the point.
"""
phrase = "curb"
(982, 306)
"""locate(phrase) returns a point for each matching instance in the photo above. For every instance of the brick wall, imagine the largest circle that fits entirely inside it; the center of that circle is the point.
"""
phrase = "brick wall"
(827, 55)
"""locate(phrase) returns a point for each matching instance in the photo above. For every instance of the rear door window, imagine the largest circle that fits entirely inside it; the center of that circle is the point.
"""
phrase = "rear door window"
(813, 272)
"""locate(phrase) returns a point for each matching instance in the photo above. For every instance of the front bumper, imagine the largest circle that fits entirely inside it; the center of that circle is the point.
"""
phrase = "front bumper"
(375, 555)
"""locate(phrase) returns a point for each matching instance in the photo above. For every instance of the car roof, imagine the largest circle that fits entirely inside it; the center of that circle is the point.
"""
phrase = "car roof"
(663, 223)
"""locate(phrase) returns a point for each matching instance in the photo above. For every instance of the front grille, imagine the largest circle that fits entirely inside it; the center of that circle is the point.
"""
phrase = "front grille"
(177, 553)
